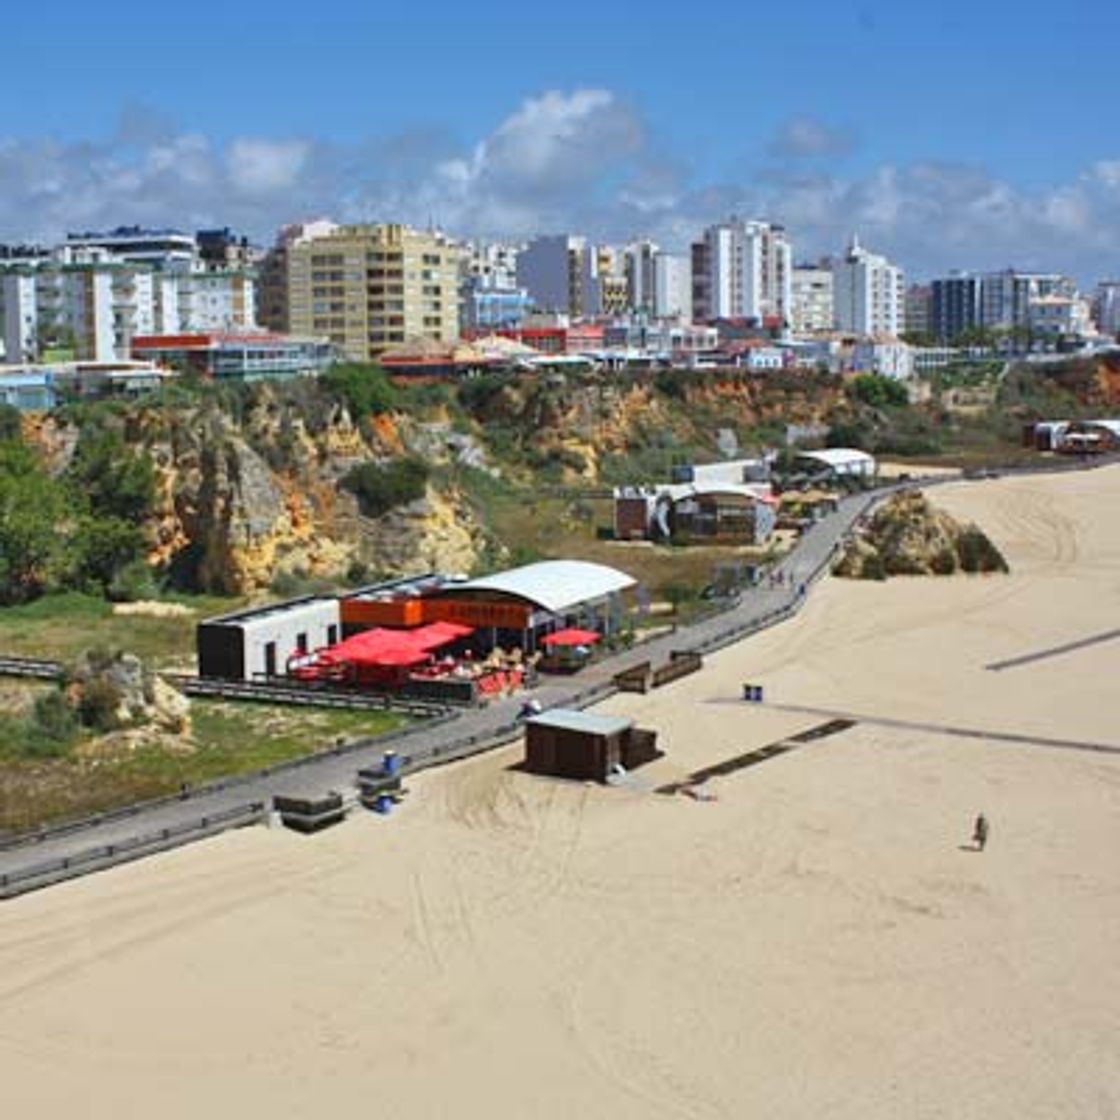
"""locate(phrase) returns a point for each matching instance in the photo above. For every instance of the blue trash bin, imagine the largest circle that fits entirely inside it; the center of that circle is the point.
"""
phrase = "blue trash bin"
(391, 764)
(383, 804)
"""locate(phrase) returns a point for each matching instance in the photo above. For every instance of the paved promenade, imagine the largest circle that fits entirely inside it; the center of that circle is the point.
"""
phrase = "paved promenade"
(66, 852)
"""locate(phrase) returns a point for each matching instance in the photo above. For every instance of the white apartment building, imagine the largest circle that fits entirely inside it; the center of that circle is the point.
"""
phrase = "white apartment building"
(868, 292)
(1106, 307)
(1059, 316)
(560, 274)
(811, 309)
(494, 263)
(99, 304)
(672, 287)
(161, 248)
(1007, 296)
(747, 271)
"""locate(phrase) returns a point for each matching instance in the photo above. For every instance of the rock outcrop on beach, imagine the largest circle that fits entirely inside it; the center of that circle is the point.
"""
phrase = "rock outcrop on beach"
(908, 536)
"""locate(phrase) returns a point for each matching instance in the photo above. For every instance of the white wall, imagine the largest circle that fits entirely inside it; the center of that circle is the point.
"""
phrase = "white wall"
(283, 627)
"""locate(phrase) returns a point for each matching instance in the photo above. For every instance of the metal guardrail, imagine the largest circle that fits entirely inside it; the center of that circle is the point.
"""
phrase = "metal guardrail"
(32, 667)
(98, 858)
(317, 697)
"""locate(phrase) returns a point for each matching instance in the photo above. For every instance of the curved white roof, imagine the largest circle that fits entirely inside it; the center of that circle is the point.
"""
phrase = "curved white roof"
(556, 585)
(837, 456)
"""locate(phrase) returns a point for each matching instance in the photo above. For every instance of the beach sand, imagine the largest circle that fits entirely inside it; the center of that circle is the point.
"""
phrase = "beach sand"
(817, 941)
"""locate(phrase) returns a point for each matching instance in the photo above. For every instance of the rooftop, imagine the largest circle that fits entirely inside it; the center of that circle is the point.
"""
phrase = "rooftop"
(568, 719)
(555, 585)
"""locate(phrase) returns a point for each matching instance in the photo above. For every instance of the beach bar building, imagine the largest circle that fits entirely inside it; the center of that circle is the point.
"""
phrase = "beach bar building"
(566, 743)
(394, 627)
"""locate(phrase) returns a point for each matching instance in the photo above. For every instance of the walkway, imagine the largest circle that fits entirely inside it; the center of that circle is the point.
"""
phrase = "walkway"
(26, 863)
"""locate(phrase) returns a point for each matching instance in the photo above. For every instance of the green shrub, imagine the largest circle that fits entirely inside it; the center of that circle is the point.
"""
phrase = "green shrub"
(133, 583)
(382, 487)
(97, 708)
(364, 388)
(877, 391)
(978, 554)
(10, 426)
(54, 724)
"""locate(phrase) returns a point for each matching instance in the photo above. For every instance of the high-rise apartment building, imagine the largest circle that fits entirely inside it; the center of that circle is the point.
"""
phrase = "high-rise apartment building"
(369, 287)
(639, 264)
(95, 305)
(811, 308)
(869, 293)
(743, 270)
(560, 273)
(672, 287)
(956, 305)
(272, 297)
(1106, 307)
(1007, 296)
(918, 312)
(489, 295)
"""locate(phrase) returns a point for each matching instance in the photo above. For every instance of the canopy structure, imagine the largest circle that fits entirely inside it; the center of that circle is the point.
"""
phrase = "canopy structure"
(394, 647)
(571, 637)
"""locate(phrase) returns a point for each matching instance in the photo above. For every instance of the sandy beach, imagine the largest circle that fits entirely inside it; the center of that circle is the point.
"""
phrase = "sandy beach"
(817, 941)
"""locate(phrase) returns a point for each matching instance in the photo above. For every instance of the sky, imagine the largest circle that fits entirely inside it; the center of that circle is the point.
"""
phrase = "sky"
(947, 134)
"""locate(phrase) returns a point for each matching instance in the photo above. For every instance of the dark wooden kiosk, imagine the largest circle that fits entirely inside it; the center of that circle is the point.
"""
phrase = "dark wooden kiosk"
(566, 743)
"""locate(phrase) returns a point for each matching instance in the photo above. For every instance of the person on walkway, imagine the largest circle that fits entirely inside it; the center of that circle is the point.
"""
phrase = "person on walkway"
(980, 832)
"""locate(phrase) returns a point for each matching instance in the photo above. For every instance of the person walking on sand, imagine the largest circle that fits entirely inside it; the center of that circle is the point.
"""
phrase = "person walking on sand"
(980, 832)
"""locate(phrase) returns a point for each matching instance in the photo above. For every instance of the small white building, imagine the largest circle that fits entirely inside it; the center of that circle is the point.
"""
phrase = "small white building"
(887, 357)
(259, 642)
(840, 462)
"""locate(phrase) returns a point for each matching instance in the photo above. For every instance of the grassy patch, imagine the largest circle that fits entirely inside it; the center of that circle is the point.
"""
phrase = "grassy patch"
(64, 625)
(229, 738)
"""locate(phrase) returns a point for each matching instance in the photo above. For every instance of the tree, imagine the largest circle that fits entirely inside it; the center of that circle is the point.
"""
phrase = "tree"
(32, 507)
(877, 391)
(111, 478)
(103, 547)
(918, 338)
(380, 488)
(10, 425)
(364, 388)
(979, 337)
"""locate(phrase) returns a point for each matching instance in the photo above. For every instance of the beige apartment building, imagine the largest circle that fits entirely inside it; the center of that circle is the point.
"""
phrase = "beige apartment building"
(370, 287)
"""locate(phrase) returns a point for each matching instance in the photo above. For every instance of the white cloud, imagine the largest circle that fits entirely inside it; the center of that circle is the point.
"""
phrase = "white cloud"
(264, 166)
(579, 160)
(809, 138)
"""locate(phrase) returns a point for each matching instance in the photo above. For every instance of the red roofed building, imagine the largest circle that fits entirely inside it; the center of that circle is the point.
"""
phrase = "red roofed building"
(244, 355)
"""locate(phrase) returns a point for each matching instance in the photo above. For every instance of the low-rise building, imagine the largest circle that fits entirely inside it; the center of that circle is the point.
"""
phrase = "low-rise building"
(887, 357)
(245, 356)
(838, 462)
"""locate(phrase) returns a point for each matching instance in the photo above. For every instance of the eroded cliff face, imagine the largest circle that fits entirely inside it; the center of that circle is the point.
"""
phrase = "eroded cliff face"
(581, 423)
(244, 498)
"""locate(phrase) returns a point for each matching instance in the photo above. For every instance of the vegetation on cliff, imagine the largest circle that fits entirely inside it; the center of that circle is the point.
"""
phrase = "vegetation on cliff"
(236, 488)
(79, 529)
(908, 536)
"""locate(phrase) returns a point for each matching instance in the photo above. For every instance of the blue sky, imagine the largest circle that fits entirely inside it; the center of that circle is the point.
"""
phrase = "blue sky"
(971, 134)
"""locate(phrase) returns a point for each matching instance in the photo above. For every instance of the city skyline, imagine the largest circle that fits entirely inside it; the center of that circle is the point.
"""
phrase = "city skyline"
(962, 139)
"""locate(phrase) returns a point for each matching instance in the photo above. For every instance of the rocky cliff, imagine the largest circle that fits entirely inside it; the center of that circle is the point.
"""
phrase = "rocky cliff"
(908, 536)
(245, 495)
